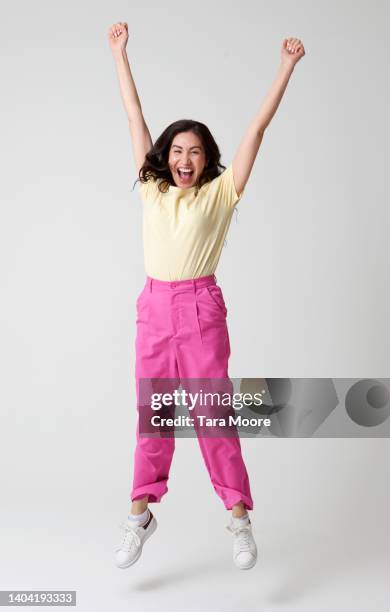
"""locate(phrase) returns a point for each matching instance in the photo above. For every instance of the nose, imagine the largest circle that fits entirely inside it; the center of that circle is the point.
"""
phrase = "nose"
(186, 159)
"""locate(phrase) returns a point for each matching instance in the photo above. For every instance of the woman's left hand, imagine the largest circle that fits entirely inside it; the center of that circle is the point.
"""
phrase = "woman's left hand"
(292, 51)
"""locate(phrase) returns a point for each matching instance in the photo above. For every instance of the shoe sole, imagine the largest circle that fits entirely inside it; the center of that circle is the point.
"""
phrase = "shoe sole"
(151, 530)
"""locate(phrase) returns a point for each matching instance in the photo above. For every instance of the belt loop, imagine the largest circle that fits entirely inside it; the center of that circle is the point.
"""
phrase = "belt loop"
(150, 282)
(215, 278)
(194, 285)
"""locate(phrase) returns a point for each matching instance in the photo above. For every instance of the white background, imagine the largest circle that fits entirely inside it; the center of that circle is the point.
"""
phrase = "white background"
(304, 274)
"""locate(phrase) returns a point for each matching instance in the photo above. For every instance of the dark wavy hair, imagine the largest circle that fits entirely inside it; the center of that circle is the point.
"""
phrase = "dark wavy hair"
(156, 160)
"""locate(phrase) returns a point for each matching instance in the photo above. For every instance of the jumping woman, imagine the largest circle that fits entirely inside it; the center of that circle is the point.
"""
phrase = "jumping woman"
(182, 331)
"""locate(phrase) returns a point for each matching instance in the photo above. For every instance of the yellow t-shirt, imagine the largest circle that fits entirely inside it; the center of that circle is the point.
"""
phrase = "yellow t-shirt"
(183, 234)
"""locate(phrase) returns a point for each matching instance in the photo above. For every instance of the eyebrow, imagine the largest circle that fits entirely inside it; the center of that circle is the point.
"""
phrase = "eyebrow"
(179, 147)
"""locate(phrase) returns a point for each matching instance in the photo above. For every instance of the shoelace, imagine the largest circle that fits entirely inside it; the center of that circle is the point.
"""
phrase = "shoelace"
(130, 537)
(243, 541)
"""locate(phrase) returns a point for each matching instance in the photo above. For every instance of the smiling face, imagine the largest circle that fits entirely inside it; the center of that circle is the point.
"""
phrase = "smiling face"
(187, 159)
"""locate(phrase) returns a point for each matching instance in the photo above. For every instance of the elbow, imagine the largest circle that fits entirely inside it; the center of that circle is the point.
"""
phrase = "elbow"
(261, 129)
(260, 133)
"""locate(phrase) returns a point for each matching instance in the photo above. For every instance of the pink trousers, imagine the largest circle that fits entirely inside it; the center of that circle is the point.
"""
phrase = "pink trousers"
(182, 333)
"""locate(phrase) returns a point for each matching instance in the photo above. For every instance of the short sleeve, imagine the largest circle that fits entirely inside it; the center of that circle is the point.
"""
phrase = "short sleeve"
(149, 190)
(224, 189)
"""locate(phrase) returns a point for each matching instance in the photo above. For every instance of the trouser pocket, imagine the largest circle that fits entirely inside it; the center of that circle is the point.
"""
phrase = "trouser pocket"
(216, 296)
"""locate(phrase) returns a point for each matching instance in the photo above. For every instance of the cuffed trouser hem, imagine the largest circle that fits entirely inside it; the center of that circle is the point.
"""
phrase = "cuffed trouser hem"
(229, 499)
(155, 493)
(248, 505)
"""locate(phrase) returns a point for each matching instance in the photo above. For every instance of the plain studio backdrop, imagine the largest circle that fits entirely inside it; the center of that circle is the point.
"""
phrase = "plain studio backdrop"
(304, 273)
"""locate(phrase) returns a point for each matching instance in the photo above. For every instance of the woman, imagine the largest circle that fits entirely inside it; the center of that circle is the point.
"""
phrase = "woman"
(181, 314)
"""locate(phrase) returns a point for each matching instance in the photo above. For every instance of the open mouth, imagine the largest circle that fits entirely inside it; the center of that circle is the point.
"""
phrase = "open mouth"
(185, 175)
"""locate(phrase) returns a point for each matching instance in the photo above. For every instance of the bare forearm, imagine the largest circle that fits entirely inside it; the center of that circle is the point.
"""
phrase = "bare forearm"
(130, 99)
(292, 50)
(272, 99)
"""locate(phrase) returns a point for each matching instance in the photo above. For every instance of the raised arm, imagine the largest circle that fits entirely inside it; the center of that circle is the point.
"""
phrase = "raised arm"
(292, 51)
(140, 136)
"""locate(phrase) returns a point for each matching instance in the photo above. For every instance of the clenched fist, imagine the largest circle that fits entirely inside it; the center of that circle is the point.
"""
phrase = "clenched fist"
(118, 36)
(292, 51)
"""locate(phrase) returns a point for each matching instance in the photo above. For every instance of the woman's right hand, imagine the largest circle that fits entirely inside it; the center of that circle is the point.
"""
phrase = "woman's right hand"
(118, 36)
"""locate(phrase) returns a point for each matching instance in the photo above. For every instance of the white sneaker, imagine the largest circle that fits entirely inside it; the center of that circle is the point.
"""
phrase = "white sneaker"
(244, 546)
(130, 549)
